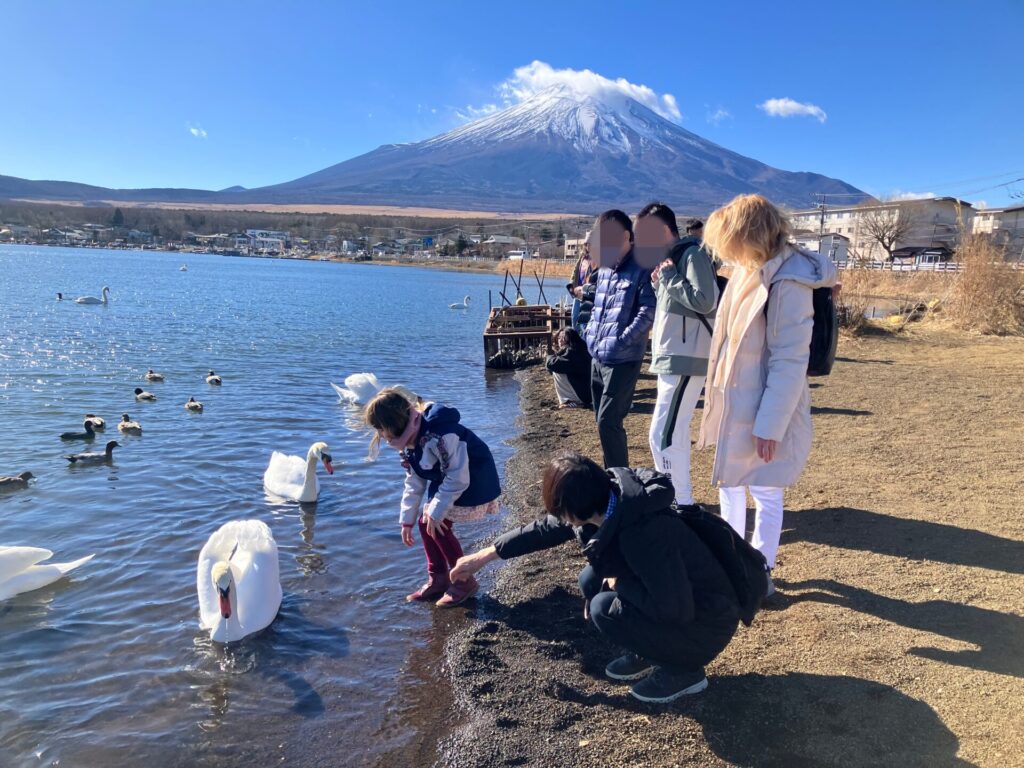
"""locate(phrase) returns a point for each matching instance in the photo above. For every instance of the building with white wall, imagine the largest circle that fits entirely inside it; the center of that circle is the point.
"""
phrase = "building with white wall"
(1005, 226)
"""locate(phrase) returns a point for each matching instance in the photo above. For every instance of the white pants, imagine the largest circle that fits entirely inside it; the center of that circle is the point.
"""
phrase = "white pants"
(564, 390)
(767, 516)
(670, 430)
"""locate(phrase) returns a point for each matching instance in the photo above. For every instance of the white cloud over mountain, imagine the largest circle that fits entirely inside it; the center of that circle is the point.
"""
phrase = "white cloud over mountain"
(789, 108)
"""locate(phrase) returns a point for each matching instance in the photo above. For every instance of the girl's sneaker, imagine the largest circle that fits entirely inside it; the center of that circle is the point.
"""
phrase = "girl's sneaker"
(432, 590)
(459, 592)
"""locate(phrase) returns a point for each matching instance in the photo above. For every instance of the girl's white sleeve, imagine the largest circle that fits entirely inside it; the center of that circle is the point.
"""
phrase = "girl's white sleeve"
(412, 498)
(454, 457)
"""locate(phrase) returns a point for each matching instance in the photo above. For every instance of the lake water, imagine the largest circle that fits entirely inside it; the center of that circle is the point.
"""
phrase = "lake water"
(109, 667)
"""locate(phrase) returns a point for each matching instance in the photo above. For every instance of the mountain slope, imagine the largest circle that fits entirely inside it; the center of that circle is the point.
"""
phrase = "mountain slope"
(13, 188)
(555, 151)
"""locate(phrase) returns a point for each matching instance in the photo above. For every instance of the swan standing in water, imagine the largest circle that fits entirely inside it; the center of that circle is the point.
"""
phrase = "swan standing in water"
(20, 570)
(464, 304)
(238, 581)
(128, 427)
(95, 458)
(294, 479)
(93, 299)
(359, 388)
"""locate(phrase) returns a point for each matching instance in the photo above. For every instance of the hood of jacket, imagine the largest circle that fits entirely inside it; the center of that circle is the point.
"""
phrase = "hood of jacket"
(803, 266)
(437, 417)
(640, 494)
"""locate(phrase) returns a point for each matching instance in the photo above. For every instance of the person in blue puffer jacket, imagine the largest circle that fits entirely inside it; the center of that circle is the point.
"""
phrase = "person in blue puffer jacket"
(616, 336)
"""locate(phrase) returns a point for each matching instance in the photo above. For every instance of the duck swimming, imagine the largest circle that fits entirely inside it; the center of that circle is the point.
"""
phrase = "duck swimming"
(98, 423)
(141, 394)
(152, 375)
(194, 405)
(89, 433)
(16, 482)
(128, 427)
(94, 458)
(213, 378)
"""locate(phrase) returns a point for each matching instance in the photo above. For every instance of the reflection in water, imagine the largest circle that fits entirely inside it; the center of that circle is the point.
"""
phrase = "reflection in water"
(116, 649)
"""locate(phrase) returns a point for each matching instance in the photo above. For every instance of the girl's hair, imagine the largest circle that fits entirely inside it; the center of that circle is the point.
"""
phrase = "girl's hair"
(619, 218)
(747, 231)
(388, 412)
(574, 487)
(662, 213)
(569, 338)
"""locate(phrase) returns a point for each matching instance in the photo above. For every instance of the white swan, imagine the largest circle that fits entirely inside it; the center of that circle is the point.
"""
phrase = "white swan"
(238, 580)
(20, 570)
(93, 299)
(292, 478)
(183, 268)
(359, 388)
(464, 304)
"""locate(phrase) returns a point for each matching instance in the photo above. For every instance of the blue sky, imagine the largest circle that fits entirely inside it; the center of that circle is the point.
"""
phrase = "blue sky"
(893, 97)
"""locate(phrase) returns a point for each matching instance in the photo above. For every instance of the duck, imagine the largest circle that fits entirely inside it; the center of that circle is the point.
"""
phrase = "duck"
(89, 434)
(213, 378)
(359, 388)
(22, 569)
(194, 405)
(464, 304)
(152, 375)
(93, 299)
(238, 581)
(15, 482)
(95, 458)
(128, 427)
(141, 394)
(98, 422)
(293, 478)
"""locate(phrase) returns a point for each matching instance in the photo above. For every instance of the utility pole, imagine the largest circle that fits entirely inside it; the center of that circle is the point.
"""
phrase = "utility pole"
(821, 221)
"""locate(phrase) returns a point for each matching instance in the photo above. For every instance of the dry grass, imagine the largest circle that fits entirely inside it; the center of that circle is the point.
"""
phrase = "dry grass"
(988, 295)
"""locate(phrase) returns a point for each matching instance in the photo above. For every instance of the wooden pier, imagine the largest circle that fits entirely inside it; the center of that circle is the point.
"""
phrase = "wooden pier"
(517, 336)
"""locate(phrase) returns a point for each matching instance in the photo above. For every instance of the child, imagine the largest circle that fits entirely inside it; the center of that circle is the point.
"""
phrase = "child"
(757, 409)
(570, 369)
(453, 467)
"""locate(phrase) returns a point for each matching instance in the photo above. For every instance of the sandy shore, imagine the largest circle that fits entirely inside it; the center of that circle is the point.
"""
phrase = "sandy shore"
(897, 637)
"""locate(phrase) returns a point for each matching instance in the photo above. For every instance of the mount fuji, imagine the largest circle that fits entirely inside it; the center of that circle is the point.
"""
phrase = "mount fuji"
(558, 150)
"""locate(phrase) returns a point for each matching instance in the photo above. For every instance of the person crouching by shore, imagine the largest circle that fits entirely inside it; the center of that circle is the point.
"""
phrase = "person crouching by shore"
(757, 410)
(453, 467)
(652, 586)
(570, 369)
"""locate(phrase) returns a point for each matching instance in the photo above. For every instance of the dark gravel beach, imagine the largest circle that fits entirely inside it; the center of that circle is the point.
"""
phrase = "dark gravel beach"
(896, 638)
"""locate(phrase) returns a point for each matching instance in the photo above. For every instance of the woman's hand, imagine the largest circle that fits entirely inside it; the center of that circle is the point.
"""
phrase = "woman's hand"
(578, 291)
(467, 565)
(434, 527)
(407, 535)
(766, 448)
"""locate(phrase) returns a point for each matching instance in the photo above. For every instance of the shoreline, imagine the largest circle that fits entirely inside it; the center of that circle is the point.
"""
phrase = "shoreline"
(857, 662)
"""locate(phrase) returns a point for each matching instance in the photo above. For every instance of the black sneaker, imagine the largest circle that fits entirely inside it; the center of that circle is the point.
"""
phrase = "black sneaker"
(664, 685)
(629, 666)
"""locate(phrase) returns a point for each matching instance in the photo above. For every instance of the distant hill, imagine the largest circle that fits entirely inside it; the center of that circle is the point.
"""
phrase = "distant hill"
(556, 151)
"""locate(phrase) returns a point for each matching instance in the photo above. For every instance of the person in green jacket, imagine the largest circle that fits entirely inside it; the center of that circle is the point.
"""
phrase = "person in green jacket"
(687, 293)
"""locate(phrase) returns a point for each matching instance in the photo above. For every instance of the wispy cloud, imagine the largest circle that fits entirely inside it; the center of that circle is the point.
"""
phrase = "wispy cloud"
(898, 194)
(196, 130)
(539, 76)
(791, 108)
(717, 115)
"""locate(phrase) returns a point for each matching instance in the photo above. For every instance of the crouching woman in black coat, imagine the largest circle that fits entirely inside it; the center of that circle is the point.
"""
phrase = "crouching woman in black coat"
(570, 370)
(652, 586)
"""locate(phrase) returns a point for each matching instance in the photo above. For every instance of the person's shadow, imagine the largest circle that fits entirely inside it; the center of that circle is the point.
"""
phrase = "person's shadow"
(999, 637)
(860, 529)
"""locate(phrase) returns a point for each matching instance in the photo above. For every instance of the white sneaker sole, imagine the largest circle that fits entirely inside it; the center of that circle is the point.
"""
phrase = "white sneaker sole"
(628, 678)
(695, 688)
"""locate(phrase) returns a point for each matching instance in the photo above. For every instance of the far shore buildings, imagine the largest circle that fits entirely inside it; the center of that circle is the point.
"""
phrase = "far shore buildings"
(1005, 226)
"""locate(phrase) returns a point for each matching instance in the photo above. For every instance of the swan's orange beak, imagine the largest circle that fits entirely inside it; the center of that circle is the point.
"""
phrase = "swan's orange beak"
(326, 459)
(225, 602)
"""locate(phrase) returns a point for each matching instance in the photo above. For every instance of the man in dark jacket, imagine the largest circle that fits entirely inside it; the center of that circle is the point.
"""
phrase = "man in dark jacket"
(652, 585)
(616, 335)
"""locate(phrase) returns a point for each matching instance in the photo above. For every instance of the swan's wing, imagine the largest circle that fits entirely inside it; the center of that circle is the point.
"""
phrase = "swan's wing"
(285, 475)
(37, 576)
(15, 560)
(363, 385)
(346, 395)
(258, 577)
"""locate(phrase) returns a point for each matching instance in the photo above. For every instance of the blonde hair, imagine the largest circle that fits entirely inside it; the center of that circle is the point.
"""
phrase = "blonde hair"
(389, 412)
(747, 231)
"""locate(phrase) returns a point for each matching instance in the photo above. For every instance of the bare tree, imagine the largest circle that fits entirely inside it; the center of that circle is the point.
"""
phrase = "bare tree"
(889, 224)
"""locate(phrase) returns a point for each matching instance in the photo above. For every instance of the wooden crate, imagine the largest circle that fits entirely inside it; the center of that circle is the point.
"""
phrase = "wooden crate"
(518, 336)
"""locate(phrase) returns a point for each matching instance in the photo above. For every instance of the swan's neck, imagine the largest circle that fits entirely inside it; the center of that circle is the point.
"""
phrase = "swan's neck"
(309, 482)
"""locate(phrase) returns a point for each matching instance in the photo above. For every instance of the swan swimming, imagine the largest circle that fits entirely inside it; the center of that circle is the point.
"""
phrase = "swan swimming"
(238, 581)
(20, 569)
(293, 478)
(128, 427)
(359, 388)
(95, 458)
(464, 304)
(93, 299)
(183, 268)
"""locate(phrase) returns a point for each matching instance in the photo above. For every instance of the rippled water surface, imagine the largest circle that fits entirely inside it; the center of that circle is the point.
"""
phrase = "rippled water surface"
(108, 667)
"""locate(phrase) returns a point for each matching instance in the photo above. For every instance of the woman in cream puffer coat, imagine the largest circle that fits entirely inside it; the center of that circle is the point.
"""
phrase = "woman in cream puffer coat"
(757, 409)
